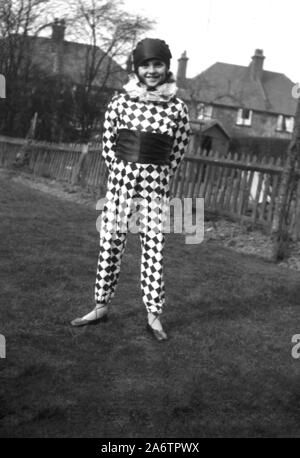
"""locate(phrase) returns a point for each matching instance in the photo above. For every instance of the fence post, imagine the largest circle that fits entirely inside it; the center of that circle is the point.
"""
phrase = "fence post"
(23, 156)
(78, 173)
(296, 229)
(279, 231)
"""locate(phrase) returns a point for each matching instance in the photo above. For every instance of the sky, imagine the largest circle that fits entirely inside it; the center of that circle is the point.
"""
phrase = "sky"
(227, 31)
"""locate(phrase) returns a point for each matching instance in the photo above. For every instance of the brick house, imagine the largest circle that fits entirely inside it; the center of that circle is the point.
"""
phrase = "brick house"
(246, 101)
(55, 55)
(70, 62)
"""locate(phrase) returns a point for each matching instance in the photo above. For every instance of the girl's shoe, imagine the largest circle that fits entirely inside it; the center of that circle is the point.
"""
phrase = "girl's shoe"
(86, 322)
(158, 334)
(81, 322)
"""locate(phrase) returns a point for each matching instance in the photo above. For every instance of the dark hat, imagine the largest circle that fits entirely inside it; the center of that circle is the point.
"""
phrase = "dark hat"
(151, 48)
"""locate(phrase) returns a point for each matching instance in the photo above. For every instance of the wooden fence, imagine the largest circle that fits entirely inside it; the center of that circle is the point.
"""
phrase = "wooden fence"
(74, 163)
(242, 187)
(239, 186)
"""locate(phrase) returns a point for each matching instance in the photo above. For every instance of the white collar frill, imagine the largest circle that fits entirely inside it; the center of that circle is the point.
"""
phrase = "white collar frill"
(136, 90)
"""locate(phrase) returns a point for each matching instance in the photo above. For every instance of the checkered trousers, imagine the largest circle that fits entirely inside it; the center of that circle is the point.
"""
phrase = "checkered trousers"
(139, 193)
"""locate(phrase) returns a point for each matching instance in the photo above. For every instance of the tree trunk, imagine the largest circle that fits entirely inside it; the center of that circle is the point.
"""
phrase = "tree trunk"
(279, 233)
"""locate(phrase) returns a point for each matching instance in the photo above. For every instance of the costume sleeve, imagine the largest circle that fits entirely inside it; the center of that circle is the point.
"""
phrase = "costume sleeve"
(109, 136)
(181, 140)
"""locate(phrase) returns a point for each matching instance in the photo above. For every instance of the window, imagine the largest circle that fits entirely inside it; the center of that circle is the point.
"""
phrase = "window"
(204, 111)
(285, 123)
(244, 117)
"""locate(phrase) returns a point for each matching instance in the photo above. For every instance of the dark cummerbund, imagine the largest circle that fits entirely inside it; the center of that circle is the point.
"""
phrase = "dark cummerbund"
(143, 147)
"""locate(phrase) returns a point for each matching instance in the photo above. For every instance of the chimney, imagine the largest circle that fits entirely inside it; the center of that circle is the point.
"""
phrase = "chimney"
(181, 70)
(256, 66)
(58, 30)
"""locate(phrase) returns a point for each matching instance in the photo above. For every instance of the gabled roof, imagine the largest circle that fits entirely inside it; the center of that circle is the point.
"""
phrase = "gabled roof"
(215, 123)
(233, 85)
(207, 124)
(73, 57)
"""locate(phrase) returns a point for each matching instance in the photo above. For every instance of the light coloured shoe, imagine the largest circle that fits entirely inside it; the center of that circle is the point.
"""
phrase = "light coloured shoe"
(159, 335)
(83, 322)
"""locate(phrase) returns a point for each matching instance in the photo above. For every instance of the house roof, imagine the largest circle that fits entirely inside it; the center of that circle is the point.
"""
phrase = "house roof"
(207, 124)
(73, 60)
(214, 123)
(233, 85)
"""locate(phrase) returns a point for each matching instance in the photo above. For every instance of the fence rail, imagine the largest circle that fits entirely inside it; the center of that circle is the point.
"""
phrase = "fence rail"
(242, 187)
(238, 186)
(69, 162)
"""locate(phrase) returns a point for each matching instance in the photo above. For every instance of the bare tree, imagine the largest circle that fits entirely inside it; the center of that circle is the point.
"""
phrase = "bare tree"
(18, 20)
(110, 34)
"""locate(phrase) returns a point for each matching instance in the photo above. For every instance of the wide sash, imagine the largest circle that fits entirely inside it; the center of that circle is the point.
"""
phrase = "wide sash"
(143, 147)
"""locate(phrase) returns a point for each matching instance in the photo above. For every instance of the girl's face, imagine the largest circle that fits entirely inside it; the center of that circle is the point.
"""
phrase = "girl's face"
(152, 72)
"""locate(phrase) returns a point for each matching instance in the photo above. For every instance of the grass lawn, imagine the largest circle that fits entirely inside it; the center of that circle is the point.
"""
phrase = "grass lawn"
(226, 370)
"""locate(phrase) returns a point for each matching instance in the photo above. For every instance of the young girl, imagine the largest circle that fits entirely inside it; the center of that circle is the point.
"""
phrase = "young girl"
(146, 133)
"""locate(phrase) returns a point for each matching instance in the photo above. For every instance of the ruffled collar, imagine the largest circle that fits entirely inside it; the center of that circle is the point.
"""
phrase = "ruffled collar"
(163, 93)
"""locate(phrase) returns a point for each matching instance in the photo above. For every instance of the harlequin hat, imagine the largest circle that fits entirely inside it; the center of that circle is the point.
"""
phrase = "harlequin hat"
(151, 48)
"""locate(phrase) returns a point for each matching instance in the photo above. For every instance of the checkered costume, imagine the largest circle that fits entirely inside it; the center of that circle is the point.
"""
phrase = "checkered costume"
(147, 182)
